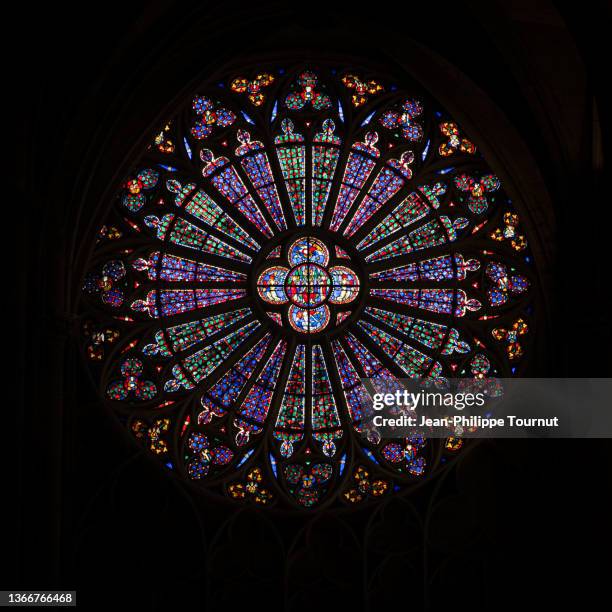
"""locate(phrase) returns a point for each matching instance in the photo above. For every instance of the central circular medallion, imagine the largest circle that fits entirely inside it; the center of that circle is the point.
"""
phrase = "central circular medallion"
(308, 285)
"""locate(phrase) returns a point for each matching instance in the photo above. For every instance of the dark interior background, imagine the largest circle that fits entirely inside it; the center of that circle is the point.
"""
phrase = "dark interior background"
(514, 521)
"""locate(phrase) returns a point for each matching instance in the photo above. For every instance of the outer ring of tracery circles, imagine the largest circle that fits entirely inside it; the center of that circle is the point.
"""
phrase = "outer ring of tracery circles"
(247, 482)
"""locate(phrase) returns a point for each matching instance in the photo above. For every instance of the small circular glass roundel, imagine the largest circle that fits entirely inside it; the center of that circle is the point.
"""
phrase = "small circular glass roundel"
(308, 286)
(309, 250)
(309, 320)
(345, 285)
(271, 285)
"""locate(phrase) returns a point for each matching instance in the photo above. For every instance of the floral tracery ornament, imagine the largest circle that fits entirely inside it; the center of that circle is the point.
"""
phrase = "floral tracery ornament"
(405, 119)
(511, 337)
(253, 88)
(504, 284)
(252, 488)
(163, 141)
(131, 383)
(307, 483)
(108, 233)
(100, 338)
(209, 116)
(509, 231)
(108, 283)
(137, 188)
(477, 189)
(362, 90)
(481, 376)
(364, 486)
(455, 143)
(152, 434)
(203, 455)
(409, 451)
(307, 93)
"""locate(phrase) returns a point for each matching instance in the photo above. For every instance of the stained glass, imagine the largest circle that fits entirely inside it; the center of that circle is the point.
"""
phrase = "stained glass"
(107, 283)
(203, 362)
(153, 434)
(185, 335)
(431, 234)
(308, 285)
(341, 253)
(356, 396)
(168, 302)
(405, 119)
(186, 234)
(257, 166)
(455, 143)
(276, 317)
(173, 268)
(476, 190)
(254, 409)
(361, 162)
(412, 361)
(307, 483)
(345, 285)
(325, 153)
(292, 158)
(271, 285)
(163, 141)
(205, 455)
(289, 427)
(252, 488)
(254, 88)
(200, 205)
(275, 253)
(307, 92)
(503, 285)
(444, 267)
(362, 89)
(217, 400)
(512, 338)
(209, 116)
(136, 189)
(509, 231)
(225, 178)
(372, 367)
(309, 320)
(100, 338)
(308, 250)
(131, 383)
(388, 182)
(430, 334)
(342, 316)
(326, 424)
(290, 232)
(410, 210)
(434, 300)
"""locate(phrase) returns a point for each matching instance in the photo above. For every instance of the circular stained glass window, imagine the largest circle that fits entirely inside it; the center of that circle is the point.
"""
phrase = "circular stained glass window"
(287, 233)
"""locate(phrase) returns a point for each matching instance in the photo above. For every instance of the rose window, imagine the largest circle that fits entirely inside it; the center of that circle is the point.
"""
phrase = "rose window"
(289, 232)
